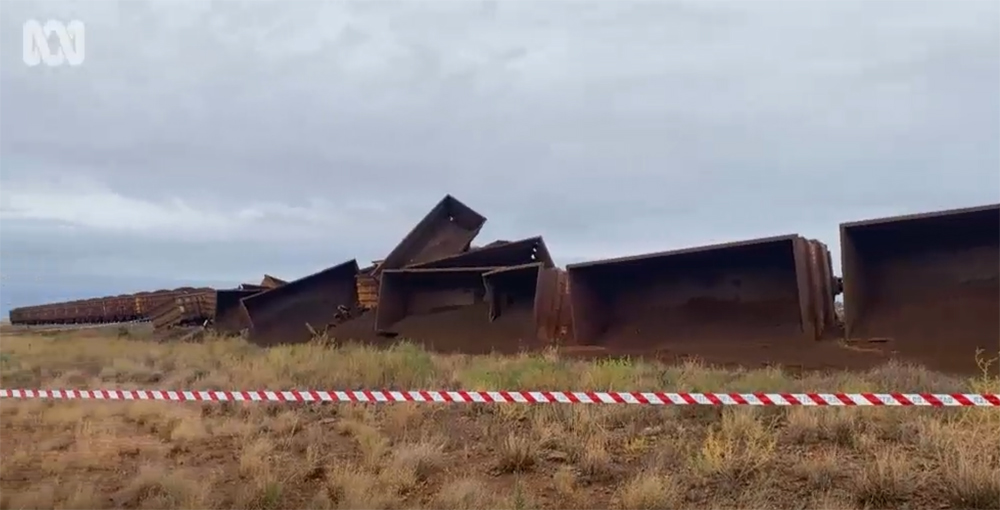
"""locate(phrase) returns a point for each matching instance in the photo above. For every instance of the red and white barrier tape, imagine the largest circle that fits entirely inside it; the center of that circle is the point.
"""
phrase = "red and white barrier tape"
(528, 397)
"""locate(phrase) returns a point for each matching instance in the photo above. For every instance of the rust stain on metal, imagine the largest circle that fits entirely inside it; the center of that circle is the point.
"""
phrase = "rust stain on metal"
(448, 229)
(284, 315)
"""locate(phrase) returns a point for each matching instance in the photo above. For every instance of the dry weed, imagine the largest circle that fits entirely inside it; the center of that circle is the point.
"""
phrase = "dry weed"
(516, 454)
(887, 481)
(738, 448)
(164, 455)
(650, 491)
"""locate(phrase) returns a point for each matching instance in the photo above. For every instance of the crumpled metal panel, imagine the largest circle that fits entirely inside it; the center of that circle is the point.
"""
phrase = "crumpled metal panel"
(284, 315)
(448, 229)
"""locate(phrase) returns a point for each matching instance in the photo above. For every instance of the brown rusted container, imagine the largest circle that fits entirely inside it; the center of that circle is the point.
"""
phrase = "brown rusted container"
(284, 315)
(367, 291)
(516, 253)
(533, 288)
(928, 283)
(816, 292)
(141, 304)
(230, 316)
(406, 292)
(763, 290)
(446, 230)
(92, 311)
(16, 316)
(184, 308)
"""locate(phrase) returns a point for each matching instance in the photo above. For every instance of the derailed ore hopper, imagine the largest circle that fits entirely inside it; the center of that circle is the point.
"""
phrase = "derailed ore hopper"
(762, 291)
(188, 307)
(230, 316)
(928, 283)
(446, 230)
(500, 253)
(532, 293)
(290, 313)
(444, 309)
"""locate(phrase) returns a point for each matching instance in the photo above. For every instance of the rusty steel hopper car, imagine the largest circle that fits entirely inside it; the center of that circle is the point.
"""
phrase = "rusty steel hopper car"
(762, 291)
(533, 293)
(290, 313)
(230, 316)
(186, 307)
(448, 229)
(500, 254)
(928, 284)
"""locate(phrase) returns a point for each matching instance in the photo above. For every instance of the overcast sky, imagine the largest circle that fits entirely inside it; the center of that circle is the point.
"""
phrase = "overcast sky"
(211, 142)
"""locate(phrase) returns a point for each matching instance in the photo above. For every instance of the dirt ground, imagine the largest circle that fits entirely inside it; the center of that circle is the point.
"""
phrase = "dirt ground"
(270, 456)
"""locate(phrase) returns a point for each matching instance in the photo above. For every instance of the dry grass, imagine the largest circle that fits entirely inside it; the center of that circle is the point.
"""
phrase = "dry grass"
(270, 456)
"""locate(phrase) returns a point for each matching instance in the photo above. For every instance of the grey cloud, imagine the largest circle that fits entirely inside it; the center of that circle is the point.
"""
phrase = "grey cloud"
(650, 124)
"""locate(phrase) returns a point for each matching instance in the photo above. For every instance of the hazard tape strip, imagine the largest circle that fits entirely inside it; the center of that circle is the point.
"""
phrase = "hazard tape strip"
(528, 397)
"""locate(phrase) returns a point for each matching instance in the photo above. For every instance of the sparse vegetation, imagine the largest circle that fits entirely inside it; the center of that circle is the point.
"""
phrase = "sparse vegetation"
(270, 456)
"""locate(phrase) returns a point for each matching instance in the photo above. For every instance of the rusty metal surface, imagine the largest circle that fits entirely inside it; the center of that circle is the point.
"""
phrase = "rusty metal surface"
(447, 229)
(743, 291)
(190, 306)
(270, 282)
(512, 286)
(284, 315)
(367, 290)
(123, 307)
(815, 288)
(552, 309)
(928, 282)
(945, 214)
(524, 251)
(534, 285)
(404, 292)
(230, 316)
(682, 251)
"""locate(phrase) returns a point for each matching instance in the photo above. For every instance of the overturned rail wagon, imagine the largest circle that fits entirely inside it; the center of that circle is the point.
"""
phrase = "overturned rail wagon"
(473, 309)
(929, 283)
(292, 312)
(498, 254)
(535, 293)
(230, 316)
(189, 307)
(409, 292)
(448, 229)
(763, 291)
